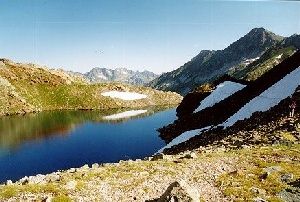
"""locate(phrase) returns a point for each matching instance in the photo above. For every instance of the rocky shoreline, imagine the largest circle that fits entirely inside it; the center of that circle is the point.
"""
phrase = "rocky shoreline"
(207, 173)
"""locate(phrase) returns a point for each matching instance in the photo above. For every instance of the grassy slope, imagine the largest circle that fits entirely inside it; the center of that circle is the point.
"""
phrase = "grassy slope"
(266, 62)
(35, 89)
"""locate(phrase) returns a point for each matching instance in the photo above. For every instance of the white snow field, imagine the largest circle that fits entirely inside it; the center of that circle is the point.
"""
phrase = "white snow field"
(269, 98)
(124, 95)
(184, 137)
(125, 114)
(221, 92)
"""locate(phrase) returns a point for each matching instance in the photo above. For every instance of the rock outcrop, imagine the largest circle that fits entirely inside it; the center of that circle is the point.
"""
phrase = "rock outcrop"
(180, 192)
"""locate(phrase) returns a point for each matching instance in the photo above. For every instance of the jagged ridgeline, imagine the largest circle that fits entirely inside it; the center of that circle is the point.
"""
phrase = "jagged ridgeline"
(101, 75)
(247, 58)
(28, 88)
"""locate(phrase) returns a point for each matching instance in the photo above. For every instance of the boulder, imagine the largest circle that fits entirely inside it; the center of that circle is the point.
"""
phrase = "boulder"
(24, 180)
(53, 177)
(287, 177)
(84, 167)
(95, 165)
(71, 170)
(8, 182)
(292, 193)
(157, 157)
(38, 179)
(272, 169)
(191, 155)
(180, 192)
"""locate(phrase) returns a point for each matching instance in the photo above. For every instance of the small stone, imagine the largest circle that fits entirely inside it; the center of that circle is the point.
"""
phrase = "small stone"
(47, 199)
(71, 185)
(95, 165)
(287, 177)
(9, 182)
(245, 146)
(258, 190)
(258, 199)
(71, 170)
(221, 149)
(272, 169)
(148, 158)
(86, 166)
(263, 176)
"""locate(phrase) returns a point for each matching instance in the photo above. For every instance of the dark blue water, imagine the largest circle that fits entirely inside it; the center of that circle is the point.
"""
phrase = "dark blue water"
(50, 141)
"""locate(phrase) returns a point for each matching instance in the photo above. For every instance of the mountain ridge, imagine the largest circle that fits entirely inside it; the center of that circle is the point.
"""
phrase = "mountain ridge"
(124, 75)
(236, 57)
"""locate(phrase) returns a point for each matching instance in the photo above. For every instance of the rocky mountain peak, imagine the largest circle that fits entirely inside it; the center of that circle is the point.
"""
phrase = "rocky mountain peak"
(263, 35)
(208, 65)
(98, 75)
(254, 42)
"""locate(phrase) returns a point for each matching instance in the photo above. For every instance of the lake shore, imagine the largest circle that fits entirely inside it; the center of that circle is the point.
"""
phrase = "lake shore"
(214, 171)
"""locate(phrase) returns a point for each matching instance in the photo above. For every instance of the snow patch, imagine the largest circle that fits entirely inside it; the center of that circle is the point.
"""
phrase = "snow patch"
(125, 114)
(222, 91)
(124, 95)
(184, 137)
(279, 56)
(269, 98)
(101, 76)
(248, 61)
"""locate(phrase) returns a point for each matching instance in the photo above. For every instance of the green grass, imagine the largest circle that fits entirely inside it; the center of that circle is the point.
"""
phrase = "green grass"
(251, 167)
(288, 136)
(8, 192)
(266, 62)
(13, 190)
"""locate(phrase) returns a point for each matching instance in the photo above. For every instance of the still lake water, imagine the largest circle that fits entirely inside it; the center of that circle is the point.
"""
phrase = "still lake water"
(48, 141)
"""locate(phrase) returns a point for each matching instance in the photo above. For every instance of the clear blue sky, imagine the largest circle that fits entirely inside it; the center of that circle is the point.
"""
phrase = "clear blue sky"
(158, 35)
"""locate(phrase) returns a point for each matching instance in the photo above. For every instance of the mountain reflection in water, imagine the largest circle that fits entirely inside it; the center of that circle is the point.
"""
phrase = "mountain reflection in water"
(14, 130)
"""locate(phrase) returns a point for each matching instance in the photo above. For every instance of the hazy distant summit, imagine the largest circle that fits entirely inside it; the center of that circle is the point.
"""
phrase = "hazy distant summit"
(123, 75)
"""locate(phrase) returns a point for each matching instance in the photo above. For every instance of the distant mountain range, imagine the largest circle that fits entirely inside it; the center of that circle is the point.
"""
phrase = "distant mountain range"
(247, 58)
(122, 75)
